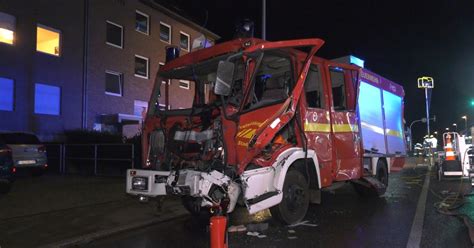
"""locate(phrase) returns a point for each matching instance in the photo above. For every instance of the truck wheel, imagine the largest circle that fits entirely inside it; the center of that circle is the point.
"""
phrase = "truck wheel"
(382, 172)
(295, 202)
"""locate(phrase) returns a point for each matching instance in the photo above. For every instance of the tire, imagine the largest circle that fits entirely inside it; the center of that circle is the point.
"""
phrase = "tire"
(294, 205)
(382, 172)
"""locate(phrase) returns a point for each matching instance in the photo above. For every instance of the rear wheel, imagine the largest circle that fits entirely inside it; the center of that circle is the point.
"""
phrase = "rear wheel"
(382, 172)
(295, 202)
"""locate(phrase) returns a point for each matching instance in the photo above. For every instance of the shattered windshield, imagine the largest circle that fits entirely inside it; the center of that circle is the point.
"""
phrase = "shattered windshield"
(187, 81)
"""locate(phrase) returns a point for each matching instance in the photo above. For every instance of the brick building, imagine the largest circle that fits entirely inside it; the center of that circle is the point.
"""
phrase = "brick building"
(86, 63)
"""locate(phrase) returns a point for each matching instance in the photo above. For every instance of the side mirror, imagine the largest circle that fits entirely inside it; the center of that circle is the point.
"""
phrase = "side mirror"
(225, 76)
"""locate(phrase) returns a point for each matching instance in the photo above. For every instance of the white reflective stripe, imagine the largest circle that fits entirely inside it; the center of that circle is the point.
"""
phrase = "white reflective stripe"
(448, 146)
(449, 153)
(453, 173)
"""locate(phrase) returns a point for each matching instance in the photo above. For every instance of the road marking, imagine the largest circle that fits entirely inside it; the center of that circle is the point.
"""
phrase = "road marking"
(414, 239)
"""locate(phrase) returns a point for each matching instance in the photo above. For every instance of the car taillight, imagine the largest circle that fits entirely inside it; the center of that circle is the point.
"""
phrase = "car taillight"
(42, 149)
(13, 169)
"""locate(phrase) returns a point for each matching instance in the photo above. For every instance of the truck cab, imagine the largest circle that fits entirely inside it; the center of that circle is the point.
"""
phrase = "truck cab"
(270, 126)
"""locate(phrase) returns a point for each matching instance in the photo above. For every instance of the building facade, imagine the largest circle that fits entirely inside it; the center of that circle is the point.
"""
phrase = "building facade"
(87, 64)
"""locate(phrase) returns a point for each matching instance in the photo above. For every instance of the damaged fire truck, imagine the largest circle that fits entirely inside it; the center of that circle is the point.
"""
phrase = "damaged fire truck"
(271, 125)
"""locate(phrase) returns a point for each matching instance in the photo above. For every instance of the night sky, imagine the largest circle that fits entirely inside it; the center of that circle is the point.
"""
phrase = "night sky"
(400, 41)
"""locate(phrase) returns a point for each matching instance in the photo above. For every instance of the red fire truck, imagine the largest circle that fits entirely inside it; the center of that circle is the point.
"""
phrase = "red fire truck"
(271, 125)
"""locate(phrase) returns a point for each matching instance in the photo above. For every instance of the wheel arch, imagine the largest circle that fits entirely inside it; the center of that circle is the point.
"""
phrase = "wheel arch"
(295, 158)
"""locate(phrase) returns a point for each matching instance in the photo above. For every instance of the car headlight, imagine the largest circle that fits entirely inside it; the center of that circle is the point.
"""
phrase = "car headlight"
(140, 183)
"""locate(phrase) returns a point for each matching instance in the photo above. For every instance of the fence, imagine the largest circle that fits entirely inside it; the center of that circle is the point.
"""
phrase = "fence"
(91, 159)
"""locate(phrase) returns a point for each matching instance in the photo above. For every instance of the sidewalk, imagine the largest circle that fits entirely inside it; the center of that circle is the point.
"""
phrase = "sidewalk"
(58, 211)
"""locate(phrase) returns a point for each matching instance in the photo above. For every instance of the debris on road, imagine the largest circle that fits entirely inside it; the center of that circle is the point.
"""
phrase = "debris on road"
(239, 228)
(258, 227)
(303, 223)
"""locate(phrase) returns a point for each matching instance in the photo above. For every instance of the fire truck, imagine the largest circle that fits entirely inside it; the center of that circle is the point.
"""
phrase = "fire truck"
(271, 126)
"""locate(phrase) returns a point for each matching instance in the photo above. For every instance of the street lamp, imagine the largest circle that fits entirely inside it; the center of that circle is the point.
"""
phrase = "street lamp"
(435, 133)
(455, 127)
(447, 129)
(465, 121)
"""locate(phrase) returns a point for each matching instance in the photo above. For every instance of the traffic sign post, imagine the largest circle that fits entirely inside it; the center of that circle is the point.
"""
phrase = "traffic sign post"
(427, 83)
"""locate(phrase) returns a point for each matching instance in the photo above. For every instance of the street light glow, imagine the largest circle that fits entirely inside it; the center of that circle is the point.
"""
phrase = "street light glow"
(464, 117)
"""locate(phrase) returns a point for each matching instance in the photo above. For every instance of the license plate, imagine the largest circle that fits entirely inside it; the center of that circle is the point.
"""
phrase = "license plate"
(26, 162)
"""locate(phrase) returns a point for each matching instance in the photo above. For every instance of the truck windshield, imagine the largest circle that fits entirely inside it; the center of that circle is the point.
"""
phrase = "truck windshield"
(188, 81)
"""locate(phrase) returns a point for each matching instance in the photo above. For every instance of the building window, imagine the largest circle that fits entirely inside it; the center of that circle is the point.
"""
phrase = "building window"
(6, 94)
(142, 22)
(184, 41)
(114, 34)
(165, 32)
(47, 99)
(7, 28)
(141, 66)
(184, 84)
(48, 40)
(139, 107)
(113, 83)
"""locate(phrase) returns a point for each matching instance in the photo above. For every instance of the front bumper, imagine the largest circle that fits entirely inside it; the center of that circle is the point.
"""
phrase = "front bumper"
(212, 186)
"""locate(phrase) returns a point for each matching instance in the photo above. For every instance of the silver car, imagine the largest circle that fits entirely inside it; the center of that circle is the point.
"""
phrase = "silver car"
(27, 151)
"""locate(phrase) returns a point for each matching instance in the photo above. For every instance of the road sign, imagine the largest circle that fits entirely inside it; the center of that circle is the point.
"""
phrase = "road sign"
(425, 82)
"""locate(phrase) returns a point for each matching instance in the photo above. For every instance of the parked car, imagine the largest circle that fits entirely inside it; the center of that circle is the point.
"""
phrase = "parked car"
(7, 170)
(27, 151)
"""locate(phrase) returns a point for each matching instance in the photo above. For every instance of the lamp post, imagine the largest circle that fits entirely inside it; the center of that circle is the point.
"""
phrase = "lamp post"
(411, 124)
(465, 121)
(455, 129)
(447, 129)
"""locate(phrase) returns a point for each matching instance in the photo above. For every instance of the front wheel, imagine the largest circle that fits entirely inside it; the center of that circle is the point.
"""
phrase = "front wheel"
(295, 202)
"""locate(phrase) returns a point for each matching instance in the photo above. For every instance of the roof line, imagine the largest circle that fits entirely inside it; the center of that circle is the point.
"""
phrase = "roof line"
(180, 18)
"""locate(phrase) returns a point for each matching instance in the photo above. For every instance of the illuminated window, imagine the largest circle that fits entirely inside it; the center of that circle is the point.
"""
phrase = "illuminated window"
(165, 32)
(142, 21)
(141, 66)
(139, 107)
(114, 34)
(47, 99)
(184, 41)
(6, 94)
(113, 83)
(48, 40)
(7, 28)
(184, 84)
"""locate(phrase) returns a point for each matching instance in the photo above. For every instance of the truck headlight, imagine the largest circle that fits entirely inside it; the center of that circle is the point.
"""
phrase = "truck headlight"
(139, 183)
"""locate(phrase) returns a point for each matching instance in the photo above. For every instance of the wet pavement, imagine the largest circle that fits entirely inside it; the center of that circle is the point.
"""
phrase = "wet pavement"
(54, 209)
(344, 219)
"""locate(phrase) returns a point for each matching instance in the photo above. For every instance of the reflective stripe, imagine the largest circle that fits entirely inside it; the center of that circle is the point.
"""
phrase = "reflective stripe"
(317, 127)
(379, 130)
(326, 128)
(395, 133)
(449, 153)
(347, 128)
(373, 128)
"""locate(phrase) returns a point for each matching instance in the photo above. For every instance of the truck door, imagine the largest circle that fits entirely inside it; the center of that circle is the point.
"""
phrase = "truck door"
(317, 125)
(344, 121)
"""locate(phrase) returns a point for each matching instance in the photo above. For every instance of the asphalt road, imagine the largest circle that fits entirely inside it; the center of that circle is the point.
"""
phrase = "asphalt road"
(344, 219)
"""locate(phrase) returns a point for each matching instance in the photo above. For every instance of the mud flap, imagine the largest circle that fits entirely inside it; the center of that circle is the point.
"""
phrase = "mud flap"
(315, 196)
(372, 184)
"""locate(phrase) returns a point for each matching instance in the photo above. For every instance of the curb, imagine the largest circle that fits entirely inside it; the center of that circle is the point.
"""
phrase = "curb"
(86, 238)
